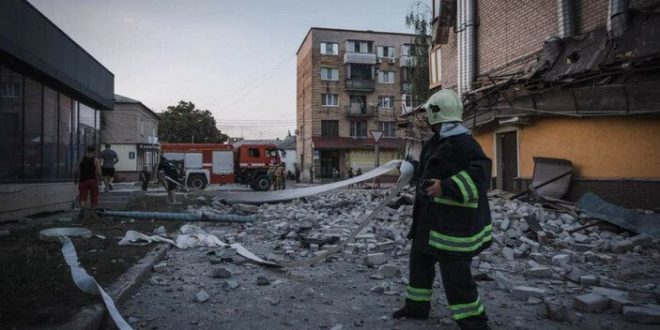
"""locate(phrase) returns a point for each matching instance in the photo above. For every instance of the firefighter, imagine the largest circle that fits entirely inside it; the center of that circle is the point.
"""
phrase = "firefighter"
(280, 179)
(451, 216)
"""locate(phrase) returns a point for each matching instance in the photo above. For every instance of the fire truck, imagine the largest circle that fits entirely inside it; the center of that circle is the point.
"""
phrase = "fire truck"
(204, 163)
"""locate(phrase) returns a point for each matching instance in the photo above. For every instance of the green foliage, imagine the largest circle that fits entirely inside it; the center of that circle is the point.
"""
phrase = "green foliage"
(184, 123)
(418, 20)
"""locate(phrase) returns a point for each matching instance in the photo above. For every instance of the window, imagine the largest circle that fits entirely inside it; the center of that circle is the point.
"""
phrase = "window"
(407, 100)
(330, 74)
(11, 123)
(406, 74)
(329, 128)
(388, 128)
(436, 63)
(64, 161)
(385, 51)
(359, 46)
(385, 102)
(329, 48)
(253, 152)
(329, 100)
(50, 134)
(359, 128)
(32, 135)
(359, 71)
(406, 50)
(386, 77)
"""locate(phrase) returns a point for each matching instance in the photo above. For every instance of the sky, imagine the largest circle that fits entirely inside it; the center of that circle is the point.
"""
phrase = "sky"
(235, 58)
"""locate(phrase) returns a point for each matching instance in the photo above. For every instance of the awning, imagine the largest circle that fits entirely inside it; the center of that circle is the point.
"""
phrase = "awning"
(329, 143)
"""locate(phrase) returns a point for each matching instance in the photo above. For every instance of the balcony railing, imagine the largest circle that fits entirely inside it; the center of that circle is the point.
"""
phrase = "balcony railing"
(407, 61)
(360, 111)
(360, 58)
(360, 85)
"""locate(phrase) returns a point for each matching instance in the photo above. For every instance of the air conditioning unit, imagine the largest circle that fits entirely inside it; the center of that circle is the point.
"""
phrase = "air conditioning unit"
(392, 60)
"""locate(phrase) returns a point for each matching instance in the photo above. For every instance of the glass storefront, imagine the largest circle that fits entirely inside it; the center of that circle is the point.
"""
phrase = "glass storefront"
(43, 132)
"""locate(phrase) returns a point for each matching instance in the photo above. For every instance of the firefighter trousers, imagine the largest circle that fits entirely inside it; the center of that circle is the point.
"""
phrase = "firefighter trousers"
(460, 288)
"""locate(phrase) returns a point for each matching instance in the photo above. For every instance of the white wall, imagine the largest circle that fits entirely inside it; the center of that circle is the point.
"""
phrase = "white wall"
(125, 164)
(289, 159)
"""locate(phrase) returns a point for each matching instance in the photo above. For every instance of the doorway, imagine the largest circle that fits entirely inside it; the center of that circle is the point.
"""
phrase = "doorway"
(329, 161)
(507, 160)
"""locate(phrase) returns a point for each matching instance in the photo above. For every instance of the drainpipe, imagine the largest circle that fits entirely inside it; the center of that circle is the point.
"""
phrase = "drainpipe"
(460, 26)
(466, 45)
(566, 18)
(617, 17)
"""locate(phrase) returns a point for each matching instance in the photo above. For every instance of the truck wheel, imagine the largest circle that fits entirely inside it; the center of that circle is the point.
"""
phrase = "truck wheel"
(261, 183)
(197, 181)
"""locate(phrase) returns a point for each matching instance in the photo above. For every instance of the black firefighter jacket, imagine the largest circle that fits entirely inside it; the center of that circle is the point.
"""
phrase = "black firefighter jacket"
(457, 223)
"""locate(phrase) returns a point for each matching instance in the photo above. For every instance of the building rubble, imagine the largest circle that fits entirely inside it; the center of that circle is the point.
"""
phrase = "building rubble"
(566, 272)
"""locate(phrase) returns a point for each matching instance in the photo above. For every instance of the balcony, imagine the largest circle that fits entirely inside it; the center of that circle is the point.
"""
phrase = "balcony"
(360, 85)
(406, 88)
(360, 111)
(407, 61)
(360, 58)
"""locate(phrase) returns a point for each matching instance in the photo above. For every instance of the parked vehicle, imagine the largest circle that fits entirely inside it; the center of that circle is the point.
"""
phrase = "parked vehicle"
(217, 163)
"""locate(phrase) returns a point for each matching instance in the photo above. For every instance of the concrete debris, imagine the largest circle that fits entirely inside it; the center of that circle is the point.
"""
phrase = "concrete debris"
(559, 312)
(524, 292)
(591, 303)
(160, 267)
(220, 273)
(539, 272)
(263, 280)
(202, 296)
(230, 285)
(642, 314)
(375, 259)
(388, 270)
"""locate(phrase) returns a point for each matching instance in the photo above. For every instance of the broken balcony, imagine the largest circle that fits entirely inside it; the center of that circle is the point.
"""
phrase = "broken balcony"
(359, 58)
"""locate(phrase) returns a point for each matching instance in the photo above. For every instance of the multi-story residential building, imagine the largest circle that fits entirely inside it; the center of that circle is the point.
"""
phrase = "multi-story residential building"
(132, 131)
(575, 80)
(348, 84)
(51, 95)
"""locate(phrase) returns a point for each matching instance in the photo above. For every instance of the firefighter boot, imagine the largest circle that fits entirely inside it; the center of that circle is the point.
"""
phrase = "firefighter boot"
(414, 310)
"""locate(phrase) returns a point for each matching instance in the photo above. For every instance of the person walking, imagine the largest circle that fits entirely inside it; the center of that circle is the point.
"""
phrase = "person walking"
(451, 216)
(280, 180)
(145, 177)
(86, 177)
(109, 158)
(169, 174)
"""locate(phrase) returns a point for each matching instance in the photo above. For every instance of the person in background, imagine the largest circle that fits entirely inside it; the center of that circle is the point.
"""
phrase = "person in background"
(280, 180)
(297, 173)
(168, 173)
(350, 174)
(145, 177)
(86, 177)
(109, 158)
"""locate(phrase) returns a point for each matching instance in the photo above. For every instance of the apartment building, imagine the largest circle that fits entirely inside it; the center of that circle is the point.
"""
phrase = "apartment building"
(575, 80)
(350, 83)
(52, 93)
(132, 131)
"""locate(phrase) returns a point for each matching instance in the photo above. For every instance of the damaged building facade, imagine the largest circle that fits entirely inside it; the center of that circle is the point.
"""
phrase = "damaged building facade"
(51, 95)
(348, 84)
(571, 80)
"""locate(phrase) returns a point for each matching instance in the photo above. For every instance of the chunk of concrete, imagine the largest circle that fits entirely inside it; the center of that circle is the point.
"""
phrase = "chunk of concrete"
(559, 312)
(561, 260)
(507, 253)
(591, 303)
(642, 314)
(375, 259)
(589, 279)
(202, 296)
(388, 270)
(539, 272)
(524, 292)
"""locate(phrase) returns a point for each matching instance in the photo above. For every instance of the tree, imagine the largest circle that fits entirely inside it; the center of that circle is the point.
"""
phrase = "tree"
(418, 19)
(183, 123)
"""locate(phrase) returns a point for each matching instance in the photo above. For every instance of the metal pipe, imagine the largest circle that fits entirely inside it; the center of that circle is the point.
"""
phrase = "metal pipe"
(470, 40)
(460, 43)
(617, 17)
(566, 18)
(170, 216)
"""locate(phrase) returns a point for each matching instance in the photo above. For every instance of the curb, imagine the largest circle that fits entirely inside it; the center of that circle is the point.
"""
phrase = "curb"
(93, 317)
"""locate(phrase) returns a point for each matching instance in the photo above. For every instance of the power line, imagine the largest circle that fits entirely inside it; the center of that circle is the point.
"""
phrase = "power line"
(256, 80)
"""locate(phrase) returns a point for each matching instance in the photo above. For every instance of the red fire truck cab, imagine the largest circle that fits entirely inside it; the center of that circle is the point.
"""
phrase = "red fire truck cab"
(204, 163)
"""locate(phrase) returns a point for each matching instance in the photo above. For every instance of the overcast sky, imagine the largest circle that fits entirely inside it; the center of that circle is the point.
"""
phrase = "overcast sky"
(235, 58)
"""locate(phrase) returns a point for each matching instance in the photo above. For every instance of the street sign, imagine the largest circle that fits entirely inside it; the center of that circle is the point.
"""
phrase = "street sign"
(376, 135)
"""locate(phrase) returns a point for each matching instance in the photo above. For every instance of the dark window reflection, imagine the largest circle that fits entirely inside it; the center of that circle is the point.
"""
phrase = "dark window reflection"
(32, 135)
(11, 123)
